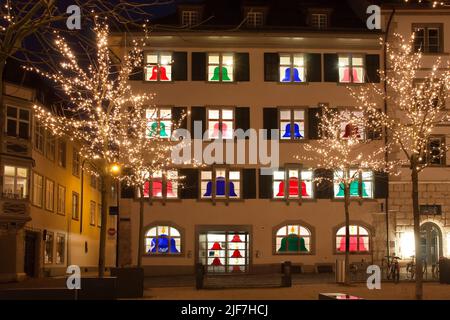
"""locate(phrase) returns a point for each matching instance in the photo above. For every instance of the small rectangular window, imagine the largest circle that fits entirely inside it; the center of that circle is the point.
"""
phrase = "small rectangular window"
(75, 162)
(292, 68)
(92, 213)
(434, 154)
(49, 194)
(351, 68)
(60, 248)
(220, 123)
(38, 190)
(75, 206)
(189, 18)
(48, 248)
(319, 20)
(162, 185)
(159, 122)
(158, 67)
(39, 137)
(220, 183)
(61, 203)
(99, 215)
(15, 182)
(292, 124)
(93, 181)
(348, 128)
(255, 19)
(362, 184)
(62, 153)
(293, 183)
(427, 38)
(18, 122)
(220, 67)
(50, 146)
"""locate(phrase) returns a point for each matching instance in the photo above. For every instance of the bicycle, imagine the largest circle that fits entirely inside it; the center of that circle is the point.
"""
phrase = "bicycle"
(411, 268)
(393, 268)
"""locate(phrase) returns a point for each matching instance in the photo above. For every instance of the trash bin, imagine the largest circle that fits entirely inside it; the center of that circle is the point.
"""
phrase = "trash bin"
(340, 271)
(444, 270)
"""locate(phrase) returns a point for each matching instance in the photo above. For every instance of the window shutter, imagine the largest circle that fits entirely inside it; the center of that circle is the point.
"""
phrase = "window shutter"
(198, 114)
(138, 72)
(331, 70)
(381, 185)
(271, 67)
(314, 67)
(249, 183)
(270, 120)
(324, 190)
(179, 66)
(372, 67)
(313, 123)
(242, 118)
(198, 66)
(179, 117)
(265, 186)
(374, 133)
(189, 185)
(242, 66)
(126, 192)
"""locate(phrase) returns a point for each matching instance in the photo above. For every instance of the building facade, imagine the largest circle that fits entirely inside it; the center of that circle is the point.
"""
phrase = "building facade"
(50, 204)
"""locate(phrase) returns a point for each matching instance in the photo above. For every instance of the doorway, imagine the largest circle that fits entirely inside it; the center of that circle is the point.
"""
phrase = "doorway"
(430, 243)
(31, 253)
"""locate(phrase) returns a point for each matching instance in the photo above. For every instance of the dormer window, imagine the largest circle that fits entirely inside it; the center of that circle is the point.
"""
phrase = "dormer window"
(190, 18)
(255, 19)
(319, 20)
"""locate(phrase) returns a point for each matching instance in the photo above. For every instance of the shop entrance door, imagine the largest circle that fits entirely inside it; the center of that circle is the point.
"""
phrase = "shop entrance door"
(430, 243)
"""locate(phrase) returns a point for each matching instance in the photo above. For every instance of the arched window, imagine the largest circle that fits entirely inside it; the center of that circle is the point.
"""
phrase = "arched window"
(359, 239)
(293, 238)
(162, 240)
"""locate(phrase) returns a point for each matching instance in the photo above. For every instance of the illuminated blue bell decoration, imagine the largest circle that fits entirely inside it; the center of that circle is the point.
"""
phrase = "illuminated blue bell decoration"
(220, 188)
(354, 192)
(297, 133)
(162, 243)
(287, 75)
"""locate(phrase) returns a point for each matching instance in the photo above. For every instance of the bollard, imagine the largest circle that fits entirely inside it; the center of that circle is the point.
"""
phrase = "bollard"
(199, 275)
(286, 280)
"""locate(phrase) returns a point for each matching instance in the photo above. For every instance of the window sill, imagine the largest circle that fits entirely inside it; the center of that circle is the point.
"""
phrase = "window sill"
(288, 201)
(294, 254)
(162, 255)
(61, 214)
(293, 83)
(365, 253)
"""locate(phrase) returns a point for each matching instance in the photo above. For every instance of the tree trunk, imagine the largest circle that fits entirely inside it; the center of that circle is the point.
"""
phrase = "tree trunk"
(347, 232)
(102, 248)
(416, 215)
(141, 222)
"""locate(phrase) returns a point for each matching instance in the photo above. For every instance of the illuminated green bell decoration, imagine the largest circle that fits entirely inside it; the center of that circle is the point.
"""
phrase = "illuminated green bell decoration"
(292, 243)
(154, 130)
(216, 75)
(354, 192)
(162, 130)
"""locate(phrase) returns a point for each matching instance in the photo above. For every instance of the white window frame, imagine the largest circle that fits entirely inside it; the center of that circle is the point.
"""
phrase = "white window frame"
(75, 206)
(38, 190)
(319, 20)
(287, 196)
(164, 177)
(221, 65)
(17, 120)
(292, 121)
(49, 195)
(255, 18)
(39, 137)
(190, 18)
(220, 121)
(61, 200)
(159, 64)
(350, 66)
(292, 65)
(158, 119)
(92, 217)
(213, 180)
(62, 259)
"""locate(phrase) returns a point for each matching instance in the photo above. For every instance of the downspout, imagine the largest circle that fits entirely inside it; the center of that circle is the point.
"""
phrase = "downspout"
(81, 195)
(386, 37)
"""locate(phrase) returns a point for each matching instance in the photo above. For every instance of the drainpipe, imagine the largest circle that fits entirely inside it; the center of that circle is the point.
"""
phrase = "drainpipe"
(81, 195)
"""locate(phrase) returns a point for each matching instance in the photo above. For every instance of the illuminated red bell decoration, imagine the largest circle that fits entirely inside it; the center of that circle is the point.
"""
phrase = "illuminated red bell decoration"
(236, 254)
(162, 76)
(236, 238)
(216, 262)
(217, 129)
(157, 188)
(216, 246)
(353, 244)
(351, 131)
(236, 269)
(346, 76)
(293, 188)
(154, 75)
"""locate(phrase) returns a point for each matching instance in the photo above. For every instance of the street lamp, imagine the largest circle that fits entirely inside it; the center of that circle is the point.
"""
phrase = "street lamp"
(115, 169)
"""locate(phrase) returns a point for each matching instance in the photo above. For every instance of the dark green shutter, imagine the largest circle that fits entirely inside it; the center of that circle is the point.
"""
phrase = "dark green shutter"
(179, 66)
(198, 114)
(324, 190)
(271, 67)
(313, 123)
(242, 66)
(381, 185)
(270, 120)
(331, 70)
(179, 117)
(372, 68)
(265, 186)
(137, 73)
(189, 185)
(249, 183)
(242, 116)
(314, 67)
(198, 66)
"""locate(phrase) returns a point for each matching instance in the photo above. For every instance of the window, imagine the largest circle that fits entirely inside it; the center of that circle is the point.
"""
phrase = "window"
(319, 20)
(62, 153)
(50, 146)
(293, 239)
(286, 184)
(427, 39)
(39, 134)
(431, 210)
(162, 240)
(61, 204)
(359, 239)
(220, 67)
(92, 213)
(162, 185)
(292, 67)
(220, 123)
(17, 122)
(292, 124)
(224, 251)
(49, 194)
(362, 185)
(220, 183)
(255, 19)
(435, 151)
(189, 18)
(38, 190)
(99, 215)
(75, 206)
(158, 67)
(351, 68)
(60, 248)
(48, 248)
(93, 181)
(15, 182)
(348, 128)
(159, 123)
(75, 162)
